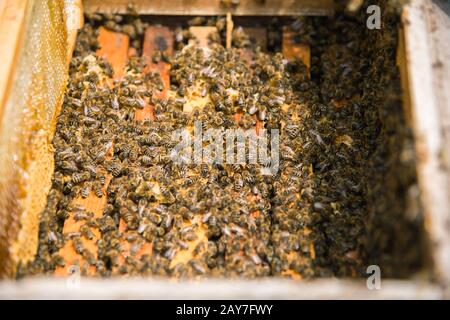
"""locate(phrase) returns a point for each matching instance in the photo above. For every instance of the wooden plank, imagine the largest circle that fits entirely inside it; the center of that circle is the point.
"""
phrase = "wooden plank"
(229, 31)
(201, 35)
(23, 38)
(402, 66)
(156, 38)
(293, 50)
(248, 55)
(272, 288)
(427, 46)
(93, 204)
(12, 25)
(12, 20)
(126, 248)
(258, 37)
(114, 48)
(184, 256)
(74, 19)
(159, 39)
(208, 7)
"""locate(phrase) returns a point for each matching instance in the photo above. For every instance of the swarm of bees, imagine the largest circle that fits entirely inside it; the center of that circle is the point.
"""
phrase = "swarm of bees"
(336, 204)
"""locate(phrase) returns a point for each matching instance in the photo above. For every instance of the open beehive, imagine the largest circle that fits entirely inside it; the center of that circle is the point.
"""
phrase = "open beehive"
(41, 74)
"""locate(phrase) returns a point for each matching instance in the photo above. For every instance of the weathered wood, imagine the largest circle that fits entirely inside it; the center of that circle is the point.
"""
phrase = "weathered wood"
(402, 66)
(156, 39)
(208, 7)
(74, 18)
(114, 48)
(229, 31)
(159, 39)
(12, 19)
(48, 288)
(36, 41)
(427, 44)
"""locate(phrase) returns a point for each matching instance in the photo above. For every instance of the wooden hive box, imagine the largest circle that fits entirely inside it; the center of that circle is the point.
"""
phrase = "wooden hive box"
(31, 93)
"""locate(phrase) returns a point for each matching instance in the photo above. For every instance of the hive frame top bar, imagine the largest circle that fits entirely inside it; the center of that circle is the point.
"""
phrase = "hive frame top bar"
(215, 7)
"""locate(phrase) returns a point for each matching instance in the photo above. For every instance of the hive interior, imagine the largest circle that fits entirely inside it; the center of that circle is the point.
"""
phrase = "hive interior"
(344, 196)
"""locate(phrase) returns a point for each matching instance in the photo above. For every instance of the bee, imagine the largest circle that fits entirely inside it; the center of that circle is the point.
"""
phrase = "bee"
(131, 236)
(58, 260)
(90, 257)
(189, 236)
(113, 256)
(85, 190)
(78, 244)
(130, 218)
(102, 179)
(238, 182)
(136, 247)
(83, 215)
(133, 154)
(165, 57)
(262, 114)
(146, 160)
(86, 232)
(106, 224)
(62, 214)
(115, 169)
(68, 166)
(199, 248)
(98, 190)
(197, 21)
(179, 271)
(130, 31)
(170, 253)
(212, 221)
(156, 56)
(166, 221)
(178, 221)
(292, 130)
(197, 266)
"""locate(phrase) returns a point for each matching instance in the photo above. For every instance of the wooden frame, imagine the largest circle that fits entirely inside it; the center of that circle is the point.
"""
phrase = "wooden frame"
(275, 288)
(426, 26)
(425, 62)
(23, 197)
(12, 17)
(215, 7)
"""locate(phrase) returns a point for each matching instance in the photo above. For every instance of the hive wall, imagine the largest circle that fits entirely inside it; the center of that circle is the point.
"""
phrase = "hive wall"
(28, 123)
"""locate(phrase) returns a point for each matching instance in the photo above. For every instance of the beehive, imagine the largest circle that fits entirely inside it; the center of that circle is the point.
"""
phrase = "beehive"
(27, 131)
